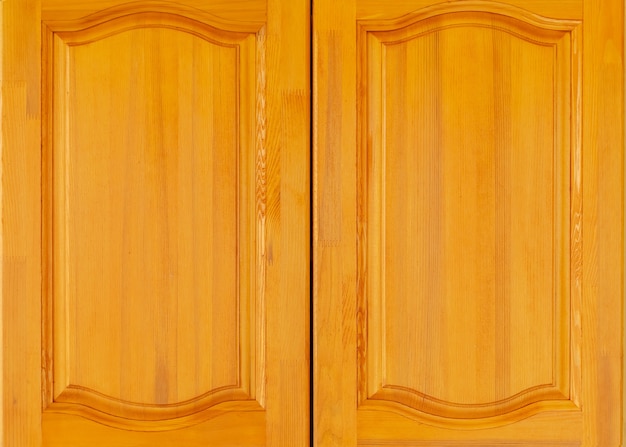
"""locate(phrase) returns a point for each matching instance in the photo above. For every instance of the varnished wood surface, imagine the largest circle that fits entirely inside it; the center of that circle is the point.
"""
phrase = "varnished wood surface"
(287, 250)
(172, 206)
(285, 207)
(446, 205)
(471, 225)
(334, 225)
(546, 428)
(229, 429)
(234, 10)
(602, 180)
(558, 9)
(21, 225)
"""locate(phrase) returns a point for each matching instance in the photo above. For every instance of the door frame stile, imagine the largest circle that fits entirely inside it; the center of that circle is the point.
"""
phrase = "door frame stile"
(20, 200)
(603, 221)
(335, 337)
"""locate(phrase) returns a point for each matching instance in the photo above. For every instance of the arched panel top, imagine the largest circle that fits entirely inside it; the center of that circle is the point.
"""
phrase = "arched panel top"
(483, 14)
(152, 14)
(420, 74)
(167, 94)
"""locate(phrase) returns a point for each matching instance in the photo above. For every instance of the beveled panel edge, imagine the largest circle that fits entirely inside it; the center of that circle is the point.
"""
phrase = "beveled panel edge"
(170, 420)
(428, 24)
(150, 7)
(75, 395)
(472, 6)
(451, 410)
(147, 19)
(568, 9)
(258, 326)
(562, 35)
(576, 216)
(480, 423)
(250, 387)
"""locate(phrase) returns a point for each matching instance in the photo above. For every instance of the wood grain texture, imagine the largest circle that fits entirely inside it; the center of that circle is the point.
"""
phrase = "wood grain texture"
(602, 221)
(145, 14)
(505, 362)
(237, 11)
(449, 196)
(177, 161)
(20, 225)
(162, 130)
(334, 224)
(287, 223)
(232, 428)
(558, 9)
(552, 428)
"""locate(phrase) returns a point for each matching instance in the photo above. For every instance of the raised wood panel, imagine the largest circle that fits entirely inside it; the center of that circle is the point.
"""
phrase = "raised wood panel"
(178, 130)
(462, 331)
(470, 184)
(153, 217)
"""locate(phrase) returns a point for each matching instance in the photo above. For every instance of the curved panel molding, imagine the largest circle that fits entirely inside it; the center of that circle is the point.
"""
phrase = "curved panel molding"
(149, 14)
(143, 422)
(154, 209)
(482, 423)
(471, 121)
(474, 8)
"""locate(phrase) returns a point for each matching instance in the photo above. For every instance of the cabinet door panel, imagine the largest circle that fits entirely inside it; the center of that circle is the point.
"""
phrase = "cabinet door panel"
(468, 257)
(160, 223)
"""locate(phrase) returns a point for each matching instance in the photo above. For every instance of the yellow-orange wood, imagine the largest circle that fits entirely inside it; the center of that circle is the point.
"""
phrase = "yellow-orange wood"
(462, 240)
(150, 234)
(467, 225)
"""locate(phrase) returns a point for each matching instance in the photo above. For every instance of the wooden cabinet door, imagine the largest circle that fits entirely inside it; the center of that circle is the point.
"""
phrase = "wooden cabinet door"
(468, 178)
(154, 214)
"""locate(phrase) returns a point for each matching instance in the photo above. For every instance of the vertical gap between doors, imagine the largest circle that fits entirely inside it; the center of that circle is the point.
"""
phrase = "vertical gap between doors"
(311, 220)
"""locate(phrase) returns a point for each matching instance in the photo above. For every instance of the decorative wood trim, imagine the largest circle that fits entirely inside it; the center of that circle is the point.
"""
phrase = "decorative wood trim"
(73, 35)
(562, 35)
(75, 395)
(47, 309)
(248, 394)
(576, 221)
(463, 423)
(172, 14)
(154, 424)
(261, 210)
(519, 15)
